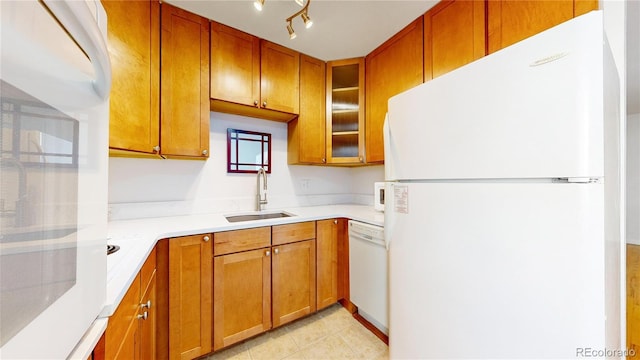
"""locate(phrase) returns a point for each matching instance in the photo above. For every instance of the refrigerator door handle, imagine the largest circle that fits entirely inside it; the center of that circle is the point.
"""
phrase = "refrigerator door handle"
(389, 215)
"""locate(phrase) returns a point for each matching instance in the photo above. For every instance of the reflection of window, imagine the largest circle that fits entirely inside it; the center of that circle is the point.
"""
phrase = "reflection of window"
(34, 133)
(248, 151)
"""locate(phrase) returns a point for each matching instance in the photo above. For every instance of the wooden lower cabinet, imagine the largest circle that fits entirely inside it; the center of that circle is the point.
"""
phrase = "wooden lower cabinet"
(189, 296)
(242, 296)
(327, 262)
(131, 331)
(294, 281)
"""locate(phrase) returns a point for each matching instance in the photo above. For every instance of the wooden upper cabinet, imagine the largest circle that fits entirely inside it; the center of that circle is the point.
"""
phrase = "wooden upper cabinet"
(253, 77)
(184, 89)
(306, 133)
(134, 50)
(280, 78)
(392, 68)
(190, 291)
(235, 65)
(454, 35)
(510, 21)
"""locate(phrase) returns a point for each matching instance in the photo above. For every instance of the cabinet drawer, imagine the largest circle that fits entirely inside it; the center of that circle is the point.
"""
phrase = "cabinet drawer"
(241, 240)
(283, 234)
(147, 271)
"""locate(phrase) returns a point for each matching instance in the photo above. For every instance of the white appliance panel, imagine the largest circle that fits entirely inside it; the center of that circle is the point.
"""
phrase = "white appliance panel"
(69, 79)
(368, 273)
(495, 270)
(531, 110)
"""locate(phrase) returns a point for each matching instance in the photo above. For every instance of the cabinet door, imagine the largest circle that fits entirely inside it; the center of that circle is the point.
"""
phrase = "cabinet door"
(306, 135)
(134, 35)
(510, 21)
(454, 35)
(392, 68)
(190, 291)
(345, 111)
(293, 281)
(242, 296)
(235, 65)
(184, 88)
(280, 78)
(327, 262)
(147, 325)
(120, 336)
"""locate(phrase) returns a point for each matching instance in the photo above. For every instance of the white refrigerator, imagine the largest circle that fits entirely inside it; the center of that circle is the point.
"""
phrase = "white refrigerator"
(502, 215)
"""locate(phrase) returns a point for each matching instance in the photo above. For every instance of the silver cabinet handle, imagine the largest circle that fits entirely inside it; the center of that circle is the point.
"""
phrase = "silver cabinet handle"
(267, 253)
(335, 221)
(156, 148)
(205, 152)
(206, 238)
(276, 251)
(255, 102)
(144, 315)
(361, 159)
(146, 305)
(324, 160)
(264, 103)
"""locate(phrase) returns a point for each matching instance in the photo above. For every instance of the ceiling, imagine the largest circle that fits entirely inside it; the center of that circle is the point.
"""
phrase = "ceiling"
(353, 28)
(341, 29)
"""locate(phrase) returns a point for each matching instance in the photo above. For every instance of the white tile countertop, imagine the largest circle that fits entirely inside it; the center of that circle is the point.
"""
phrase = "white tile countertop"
(138, 237)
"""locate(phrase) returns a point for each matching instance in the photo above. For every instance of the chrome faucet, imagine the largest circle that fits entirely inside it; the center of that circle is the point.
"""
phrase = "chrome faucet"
(259, 200)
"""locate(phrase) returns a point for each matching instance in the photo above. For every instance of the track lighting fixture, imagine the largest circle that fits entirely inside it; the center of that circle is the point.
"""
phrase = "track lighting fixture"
(292, 34)
(307, 20)
(303, 13)
(258, 4)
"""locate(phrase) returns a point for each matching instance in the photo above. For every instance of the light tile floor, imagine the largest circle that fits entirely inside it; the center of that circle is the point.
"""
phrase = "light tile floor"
(329, 334)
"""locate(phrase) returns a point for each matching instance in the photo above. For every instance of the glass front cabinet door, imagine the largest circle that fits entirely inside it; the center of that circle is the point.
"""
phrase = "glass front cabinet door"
(345, 111)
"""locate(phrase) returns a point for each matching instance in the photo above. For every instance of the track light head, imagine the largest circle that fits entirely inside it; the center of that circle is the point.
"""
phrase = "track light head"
(300, 2)
(307, 20)
(292, 34)
(258, 4)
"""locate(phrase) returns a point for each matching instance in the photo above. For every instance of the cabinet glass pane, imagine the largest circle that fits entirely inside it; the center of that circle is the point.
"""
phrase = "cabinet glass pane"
(345, 108)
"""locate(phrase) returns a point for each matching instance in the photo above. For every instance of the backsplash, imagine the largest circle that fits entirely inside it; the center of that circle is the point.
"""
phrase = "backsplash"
(153, 187)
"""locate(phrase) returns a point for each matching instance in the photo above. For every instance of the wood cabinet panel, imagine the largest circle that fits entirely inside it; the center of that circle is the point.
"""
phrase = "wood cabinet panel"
(241, 240)
(235, 65)
(184, 89)
(190, 291)
(306, 134)
(280, 78)
(147, 327)
(134, 51)
(510, 21)
(395, 66)
(122, 325)
(454, 35)
(633, 297)
(242, 296)
(293, 281)
(282, 234)
(327, 262)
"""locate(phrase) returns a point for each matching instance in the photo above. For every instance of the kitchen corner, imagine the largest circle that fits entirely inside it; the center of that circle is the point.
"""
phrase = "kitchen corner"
(137, 237)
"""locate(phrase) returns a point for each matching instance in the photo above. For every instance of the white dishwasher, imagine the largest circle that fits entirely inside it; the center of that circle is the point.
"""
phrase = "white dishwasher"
(368, 273)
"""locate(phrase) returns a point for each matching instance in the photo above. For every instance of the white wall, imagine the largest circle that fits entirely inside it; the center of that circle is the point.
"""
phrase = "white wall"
(154, 187)
(633, 179)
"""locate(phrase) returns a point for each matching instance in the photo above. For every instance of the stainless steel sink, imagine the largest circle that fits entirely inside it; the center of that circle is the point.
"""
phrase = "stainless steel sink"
(257, 216)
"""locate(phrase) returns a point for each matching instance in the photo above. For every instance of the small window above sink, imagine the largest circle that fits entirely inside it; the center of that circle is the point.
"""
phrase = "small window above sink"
(248, 151)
